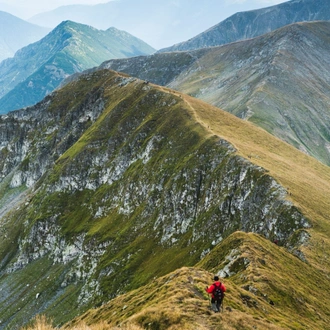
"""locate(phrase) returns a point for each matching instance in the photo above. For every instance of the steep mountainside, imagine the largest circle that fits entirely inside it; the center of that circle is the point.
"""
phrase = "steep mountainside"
(111, 182)
(16, 33)
(38, 69)
(249, 24)
(279, 81)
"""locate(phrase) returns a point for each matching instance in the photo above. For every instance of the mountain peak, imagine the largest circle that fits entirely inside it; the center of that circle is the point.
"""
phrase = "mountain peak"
(71, 47)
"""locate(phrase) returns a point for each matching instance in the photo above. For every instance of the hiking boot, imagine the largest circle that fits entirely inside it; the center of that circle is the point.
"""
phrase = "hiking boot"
(215, 308)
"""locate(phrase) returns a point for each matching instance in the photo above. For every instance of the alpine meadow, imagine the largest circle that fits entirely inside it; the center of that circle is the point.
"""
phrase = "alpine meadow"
(130, 179)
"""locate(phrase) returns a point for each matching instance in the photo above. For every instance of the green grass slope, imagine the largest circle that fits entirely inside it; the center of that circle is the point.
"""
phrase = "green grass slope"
(136, 178)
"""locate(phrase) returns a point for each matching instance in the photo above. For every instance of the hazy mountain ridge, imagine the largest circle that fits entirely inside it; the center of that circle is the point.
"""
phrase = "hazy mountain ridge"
(38, 69)
(250, 24)
(17, 33)
(97, 220)
(158, 23)
(278, 80)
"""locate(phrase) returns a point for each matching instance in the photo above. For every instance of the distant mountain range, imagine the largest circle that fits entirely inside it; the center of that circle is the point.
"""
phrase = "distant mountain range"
(16, 33)
(159, 23)
(279, 81)
(39, 68)
(236, 81)
(249, 24)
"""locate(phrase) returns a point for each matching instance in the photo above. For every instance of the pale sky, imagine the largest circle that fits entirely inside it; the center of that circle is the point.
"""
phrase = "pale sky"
(26, 9)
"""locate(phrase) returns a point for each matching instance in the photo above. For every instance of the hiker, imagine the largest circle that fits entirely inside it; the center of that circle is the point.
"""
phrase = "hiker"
(217, 290)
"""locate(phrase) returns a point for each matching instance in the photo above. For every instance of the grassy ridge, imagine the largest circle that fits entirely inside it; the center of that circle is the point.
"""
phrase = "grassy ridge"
(197, 125)
(268, 291)
(305, 178)
(278, 81)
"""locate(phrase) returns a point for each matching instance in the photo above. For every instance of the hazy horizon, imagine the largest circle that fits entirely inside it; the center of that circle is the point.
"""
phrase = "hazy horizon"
(185, 23)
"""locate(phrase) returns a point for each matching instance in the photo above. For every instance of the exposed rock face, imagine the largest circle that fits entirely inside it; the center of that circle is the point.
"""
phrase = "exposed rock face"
(35, 155)
(250, 24)
(121, 179)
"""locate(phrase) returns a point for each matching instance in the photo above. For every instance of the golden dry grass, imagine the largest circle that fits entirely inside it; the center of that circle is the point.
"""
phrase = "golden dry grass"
(41, 323)
(176, 301)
